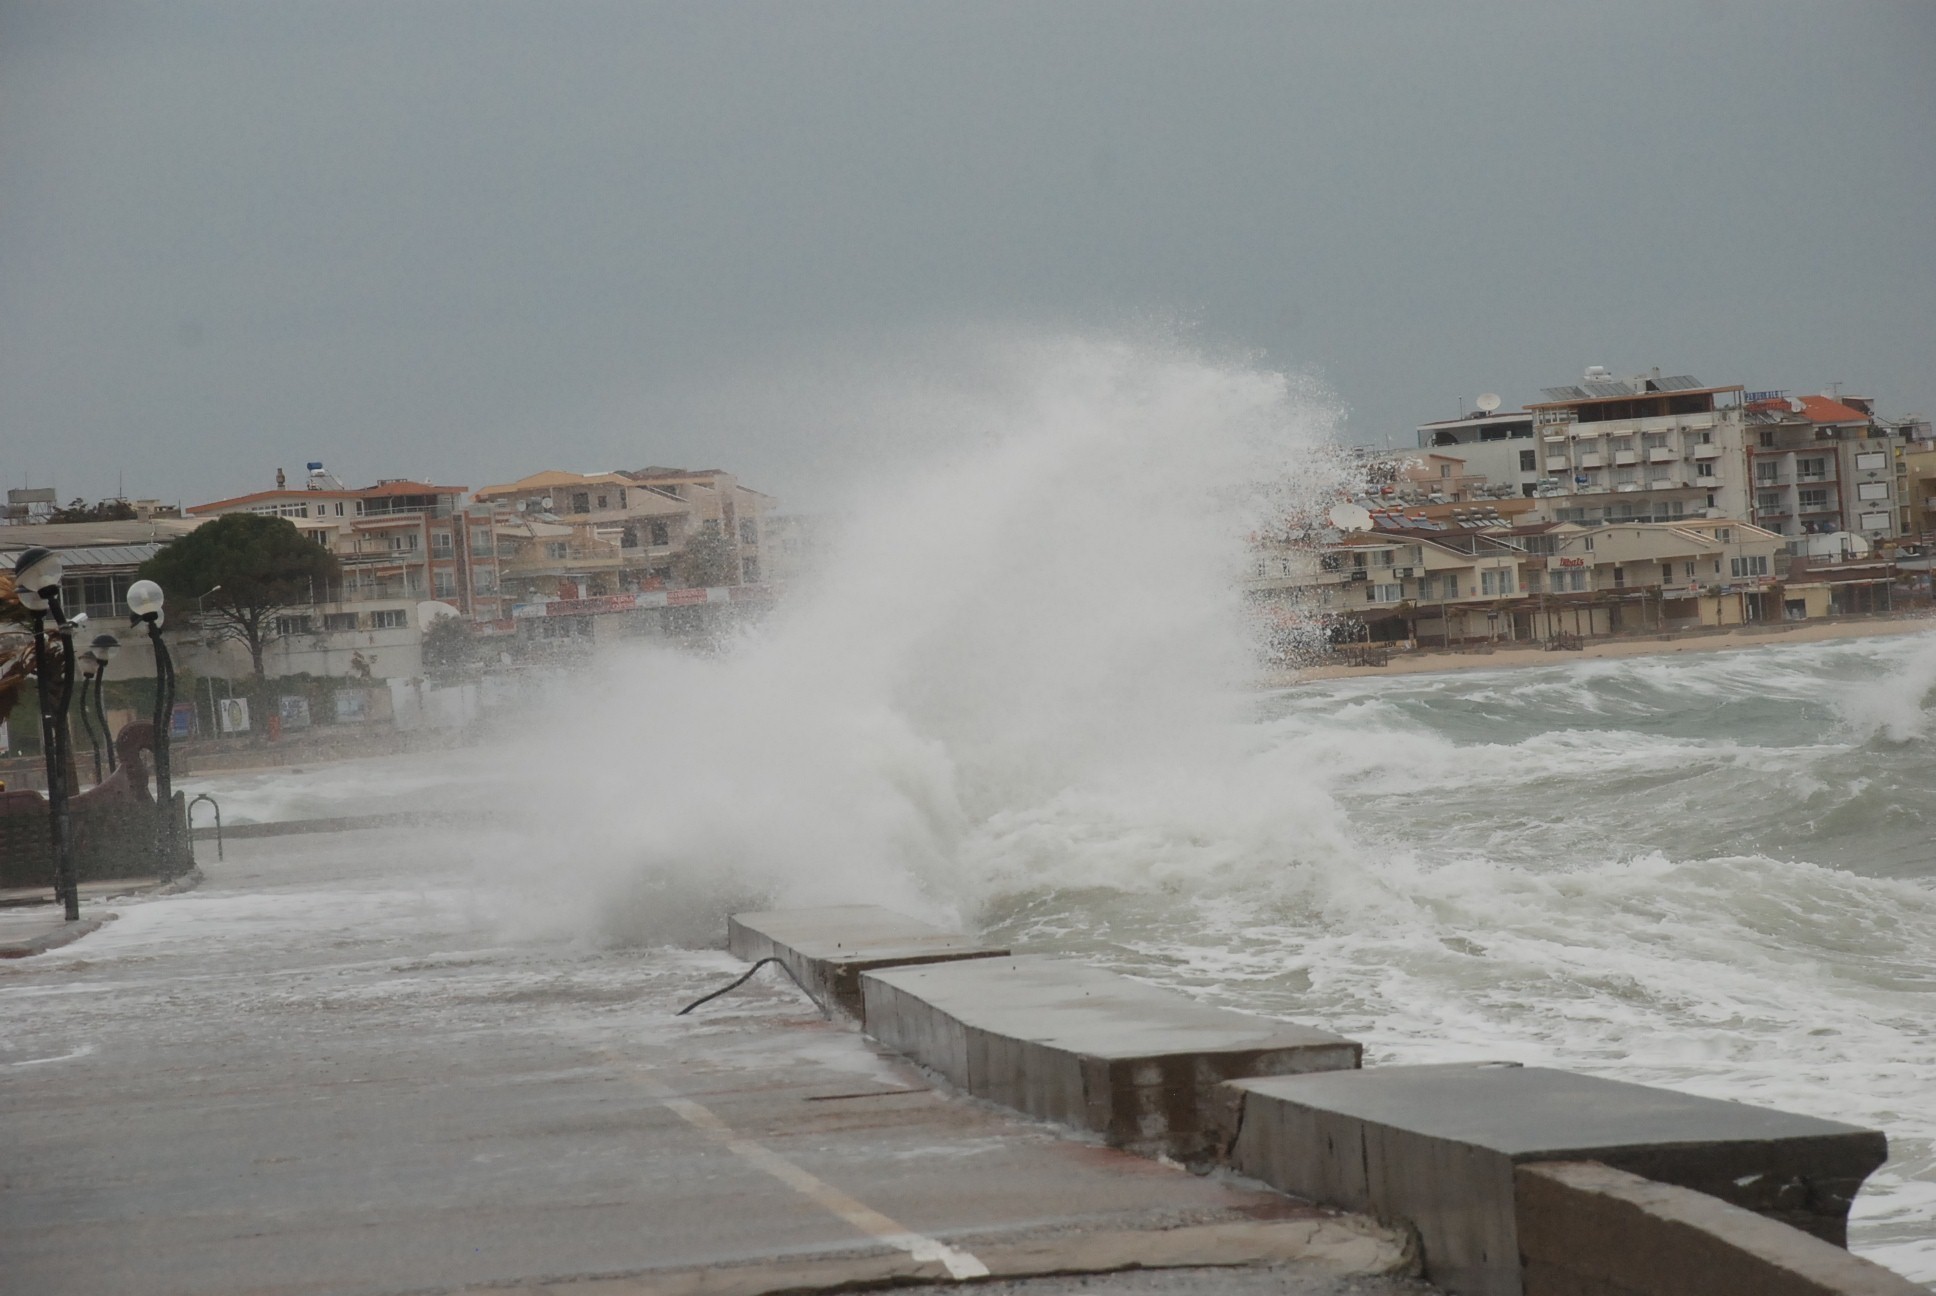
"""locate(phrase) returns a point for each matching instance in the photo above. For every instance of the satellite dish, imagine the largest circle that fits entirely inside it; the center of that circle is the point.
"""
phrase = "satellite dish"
(1350, 517)
(1488, 402)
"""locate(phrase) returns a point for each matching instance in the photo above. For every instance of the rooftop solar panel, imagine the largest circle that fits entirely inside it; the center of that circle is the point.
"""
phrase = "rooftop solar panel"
(1564, 393)
(1679, 382)
(1603, 389)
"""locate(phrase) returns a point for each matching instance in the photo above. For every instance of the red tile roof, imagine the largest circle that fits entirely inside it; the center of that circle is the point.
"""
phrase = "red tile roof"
(1824, 409)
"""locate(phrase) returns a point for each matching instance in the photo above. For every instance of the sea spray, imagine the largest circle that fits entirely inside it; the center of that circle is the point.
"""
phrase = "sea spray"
(1046, 611)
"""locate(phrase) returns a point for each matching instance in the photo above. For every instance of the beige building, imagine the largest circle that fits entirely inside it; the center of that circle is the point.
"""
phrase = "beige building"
(399, 543)
(1489, 579)
(626, 530)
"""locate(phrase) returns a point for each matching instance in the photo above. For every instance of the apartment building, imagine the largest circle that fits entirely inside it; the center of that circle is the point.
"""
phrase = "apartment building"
(1485, 577)
(401, 543)
(626, 529)
(1641, 449)
(1500, 448)
(1824, 466)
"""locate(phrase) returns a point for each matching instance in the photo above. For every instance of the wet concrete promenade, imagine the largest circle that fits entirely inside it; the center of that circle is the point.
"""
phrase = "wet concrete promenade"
(330, 1069)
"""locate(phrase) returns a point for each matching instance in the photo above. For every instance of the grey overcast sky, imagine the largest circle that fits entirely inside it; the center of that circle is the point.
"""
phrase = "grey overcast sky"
(469, 240)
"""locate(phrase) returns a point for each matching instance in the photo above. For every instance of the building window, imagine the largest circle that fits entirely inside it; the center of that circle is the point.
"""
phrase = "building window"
(294, 625)
(389, 619)
(1578, 575)
(1451, 585)
(444, 584)
(339, 620)
(406, 543)
(1704, 468)
(484, 580)
(557, 549)
(629, 538)
(481, 545)
(1535, 580)
(1383, 593)
(1814, 501)
(581, 502)
(603, 502)
(661, 534)
(1871, 461)
(1872, 491)
(1768, 501)
(750, 570)
(1752, 565)
(440, 544)
(749, 532)
(1767, 472)
(1811, 470)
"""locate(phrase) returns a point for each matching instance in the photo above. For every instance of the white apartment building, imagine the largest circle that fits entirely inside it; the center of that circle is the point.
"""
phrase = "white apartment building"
(1499, 447)
(1641, 449)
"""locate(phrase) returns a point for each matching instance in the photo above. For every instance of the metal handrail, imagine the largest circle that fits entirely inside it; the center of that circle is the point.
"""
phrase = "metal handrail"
(190, 813)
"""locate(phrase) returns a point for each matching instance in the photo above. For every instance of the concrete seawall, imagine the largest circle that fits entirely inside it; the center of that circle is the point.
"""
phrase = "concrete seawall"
(828, 949)
(1519, 1181)
(1137, 1064)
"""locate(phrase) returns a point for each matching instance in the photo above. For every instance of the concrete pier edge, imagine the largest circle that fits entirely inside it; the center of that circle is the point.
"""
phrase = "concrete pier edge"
(1792, 1178)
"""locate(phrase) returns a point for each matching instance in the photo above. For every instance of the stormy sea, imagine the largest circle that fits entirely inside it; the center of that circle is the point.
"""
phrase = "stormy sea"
(1020, 694)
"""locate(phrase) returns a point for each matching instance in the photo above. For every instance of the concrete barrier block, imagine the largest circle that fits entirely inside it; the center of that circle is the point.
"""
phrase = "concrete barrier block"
(1436, 1146)
(1063, 1041)
(1588, 1228)
(828, 948)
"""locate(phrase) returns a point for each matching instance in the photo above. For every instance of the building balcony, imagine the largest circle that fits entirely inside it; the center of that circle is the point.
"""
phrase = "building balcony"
(1557, 463)
(1622, 458)
(1593, 459)
(1709, 450)
(1662, 454)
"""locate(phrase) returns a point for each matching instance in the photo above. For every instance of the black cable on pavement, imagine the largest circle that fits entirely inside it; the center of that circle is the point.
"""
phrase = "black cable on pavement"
(746, 976)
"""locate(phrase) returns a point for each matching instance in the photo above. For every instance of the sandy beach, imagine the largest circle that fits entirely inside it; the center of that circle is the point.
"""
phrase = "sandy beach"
(1408, 663)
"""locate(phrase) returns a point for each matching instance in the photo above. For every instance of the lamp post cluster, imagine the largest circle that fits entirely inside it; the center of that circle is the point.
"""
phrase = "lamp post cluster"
(36, 579)
(37, 584)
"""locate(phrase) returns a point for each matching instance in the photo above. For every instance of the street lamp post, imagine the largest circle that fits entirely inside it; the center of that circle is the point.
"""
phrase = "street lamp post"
(37, 577)
(102, 650)
(145, 607)
(90, 670)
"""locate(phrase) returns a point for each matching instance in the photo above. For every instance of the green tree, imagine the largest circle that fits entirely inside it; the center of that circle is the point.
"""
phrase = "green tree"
(708, 559)
(448, 647)
(255, 566)
(114, 510)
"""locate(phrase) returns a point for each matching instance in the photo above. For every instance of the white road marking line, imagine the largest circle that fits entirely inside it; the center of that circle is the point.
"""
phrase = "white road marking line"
(958, 1263)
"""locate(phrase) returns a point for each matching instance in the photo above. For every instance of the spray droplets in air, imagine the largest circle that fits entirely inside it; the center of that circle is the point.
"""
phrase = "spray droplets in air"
(1048, 605)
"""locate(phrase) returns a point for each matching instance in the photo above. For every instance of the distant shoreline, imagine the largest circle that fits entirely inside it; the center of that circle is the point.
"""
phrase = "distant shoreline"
(1432, 661)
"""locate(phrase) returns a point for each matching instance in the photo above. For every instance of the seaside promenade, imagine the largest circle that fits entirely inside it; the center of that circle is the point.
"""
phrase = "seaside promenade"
(1507, 654)
(337, 1066)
